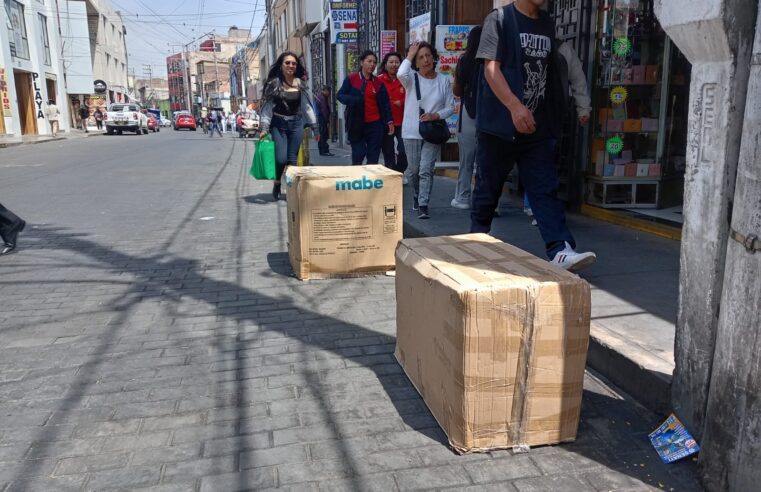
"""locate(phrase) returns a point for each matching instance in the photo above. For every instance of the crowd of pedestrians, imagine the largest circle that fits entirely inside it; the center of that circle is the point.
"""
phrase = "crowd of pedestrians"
(513, 82)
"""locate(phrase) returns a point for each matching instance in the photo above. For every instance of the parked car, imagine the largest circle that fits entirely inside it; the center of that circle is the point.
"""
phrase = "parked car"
(153, 123)
(125, 117)
(249, 124)
(185, 120)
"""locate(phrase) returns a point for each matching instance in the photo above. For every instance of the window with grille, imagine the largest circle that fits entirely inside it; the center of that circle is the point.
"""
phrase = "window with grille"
(370, 15)
(19, 43)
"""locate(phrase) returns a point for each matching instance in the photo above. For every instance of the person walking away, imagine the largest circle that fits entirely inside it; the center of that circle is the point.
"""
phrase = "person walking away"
(521, 102)
(98, 118)
(84, 114)
(322, 105)
(54, 115)
(394, 155)
(231, 122)
(221, 121)
(287, 109)
(368, 111)
(214, 119)
(11, 225)
(204, 120)
(466, 88)
(436, 103)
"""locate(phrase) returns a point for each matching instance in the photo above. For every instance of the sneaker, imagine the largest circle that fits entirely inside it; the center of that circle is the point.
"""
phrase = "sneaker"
(423, 212)
(572, 261)
(405, 181)
(415, 204)
(458, 204)
(528, 212)
(533, 222)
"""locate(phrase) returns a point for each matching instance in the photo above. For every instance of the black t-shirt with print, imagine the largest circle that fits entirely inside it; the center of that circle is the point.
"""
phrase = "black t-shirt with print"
(536, 41)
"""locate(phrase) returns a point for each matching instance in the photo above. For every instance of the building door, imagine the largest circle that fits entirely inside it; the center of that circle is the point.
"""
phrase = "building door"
(51, 88)
(27, 115)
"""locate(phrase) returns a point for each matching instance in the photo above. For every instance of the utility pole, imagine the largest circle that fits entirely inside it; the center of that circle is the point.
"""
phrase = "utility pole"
(216, 68)
(270, 35)
(148, 70)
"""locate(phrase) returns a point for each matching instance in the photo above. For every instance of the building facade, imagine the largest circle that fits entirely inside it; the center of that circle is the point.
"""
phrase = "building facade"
(31, 68)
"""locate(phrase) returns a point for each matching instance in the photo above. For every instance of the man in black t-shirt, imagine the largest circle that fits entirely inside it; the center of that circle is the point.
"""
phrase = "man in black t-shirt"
(532, 144)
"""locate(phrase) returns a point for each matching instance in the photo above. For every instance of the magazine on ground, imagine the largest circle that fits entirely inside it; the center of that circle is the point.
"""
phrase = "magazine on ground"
(673, 441)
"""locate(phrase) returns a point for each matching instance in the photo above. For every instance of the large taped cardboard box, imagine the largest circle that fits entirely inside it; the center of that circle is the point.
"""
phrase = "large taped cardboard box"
(493, 338)
(343, 220)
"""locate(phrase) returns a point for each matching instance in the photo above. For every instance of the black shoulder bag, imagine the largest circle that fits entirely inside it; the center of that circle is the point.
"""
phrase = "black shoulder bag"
(436, 131)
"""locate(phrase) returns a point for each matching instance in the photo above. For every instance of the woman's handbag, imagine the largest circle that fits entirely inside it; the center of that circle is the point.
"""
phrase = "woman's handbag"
(436, 131)
(263, 165)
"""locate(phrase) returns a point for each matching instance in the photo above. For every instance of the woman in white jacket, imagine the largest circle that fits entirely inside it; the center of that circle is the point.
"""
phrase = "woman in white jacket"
(437, 102)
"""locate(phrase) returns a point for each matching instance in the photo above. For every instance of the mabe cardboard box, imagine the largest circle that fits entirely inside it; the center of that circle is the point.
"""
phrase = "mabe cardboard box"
(493, 338)
(343, 220)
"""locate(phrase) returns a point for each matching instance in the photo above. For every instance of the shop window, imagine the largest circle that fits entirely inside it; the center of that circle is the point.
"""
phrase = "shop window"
(19, 43)
(45, 38)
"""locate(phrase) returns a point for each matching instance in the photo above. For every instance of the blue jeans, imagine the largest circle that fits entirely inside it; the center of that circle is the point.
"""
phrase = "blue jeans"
(370, 144)
(536, 165)
(287, 135)
(390, 157)
(214, 126)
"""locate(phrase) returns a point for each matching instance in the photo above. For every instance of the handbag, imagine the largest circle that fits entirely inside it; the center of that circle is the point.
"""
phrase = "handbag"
(263, 165)
(435, 132)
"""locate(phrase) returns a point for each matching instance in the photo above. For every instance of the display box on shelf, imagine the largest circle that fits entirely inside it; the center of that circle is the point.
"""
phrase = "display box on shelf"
(639, 72)
(609, 170)
(651, 74)
(630, 170)
(654, 170)
(615, 126)
(632, 126)
(643, 170)
(619, 171)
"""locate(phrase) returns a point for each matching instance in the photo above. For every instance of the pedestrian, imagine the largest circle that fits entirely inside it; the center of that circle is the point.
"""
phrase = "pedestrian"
(394, 155)
(205, 120)
(239, 124)
(214, 119)
(368, 111)
(287, 109)
(84, 114)
(520, 112)
(434, 102)
(323, 107)
(10, 227)
(221, 119)
(98, 118)
(54, 115)
(466, 88)
(231, 122)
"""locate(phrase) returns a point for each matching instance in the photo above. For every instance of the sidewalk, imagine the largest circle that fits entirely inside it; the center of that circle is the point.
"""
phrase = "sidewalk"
(635, 285)
(13, 140)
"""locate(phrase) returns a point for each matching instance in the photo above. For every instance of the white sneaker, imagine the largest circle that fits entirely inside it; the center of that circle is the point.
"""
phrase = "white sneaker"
(405, 180)
(534, 223)
(572, 261)
(458, 204)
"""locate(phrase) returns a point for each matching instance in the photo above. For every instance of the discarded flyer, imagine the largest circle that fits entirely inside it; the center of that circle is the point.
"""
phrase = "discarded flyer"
(673, 441)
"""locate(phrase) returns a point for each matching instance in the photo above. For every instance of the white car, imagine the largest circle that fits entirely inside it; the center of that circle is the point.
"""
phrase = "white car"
(125, 117)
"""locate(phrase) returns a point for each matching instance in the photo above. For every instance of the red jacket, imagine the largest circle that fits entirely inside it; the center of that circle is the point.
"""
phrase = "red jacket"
(351, 94)
(396, 92)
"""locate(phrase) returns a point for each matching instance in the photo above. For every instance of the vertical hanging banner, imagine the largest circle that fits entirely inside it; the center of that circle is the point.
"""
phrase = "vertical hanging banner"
(4, 97)
(451, 43)
(420, 28)
(388, 43)
(343, 18)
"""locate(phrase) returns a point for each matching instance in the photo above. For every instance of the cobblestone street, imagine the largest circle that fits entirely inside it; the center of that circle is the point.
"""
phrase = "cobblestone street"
(153, 337)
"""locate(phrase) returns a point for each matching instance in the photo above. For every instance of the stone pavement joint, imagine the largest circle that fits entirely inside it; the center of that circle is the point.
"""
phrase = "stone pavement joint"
(142, 382)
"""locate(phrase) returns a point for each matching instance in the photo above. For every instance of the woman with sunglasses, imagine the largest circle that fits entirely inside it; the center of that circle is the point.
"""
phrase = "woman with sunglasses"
(286, 110)
(368, 111)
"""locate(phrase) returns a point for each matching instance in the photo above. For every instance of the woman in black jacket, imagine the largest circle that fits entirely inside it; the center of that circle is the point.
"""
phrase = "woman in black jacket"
(368, 111)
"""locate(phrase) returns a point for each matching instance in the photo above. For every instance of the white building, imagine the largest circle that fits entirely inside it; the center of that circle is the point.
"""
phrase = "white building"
(99, 56)
(31, 69)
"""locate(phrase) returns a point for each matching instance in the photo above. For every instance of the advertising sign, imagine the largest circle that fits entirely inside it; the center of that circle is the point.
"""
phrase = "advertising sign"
(343, 18)
(5, 99)
(388, 43)
(451, 43)
(420, 28)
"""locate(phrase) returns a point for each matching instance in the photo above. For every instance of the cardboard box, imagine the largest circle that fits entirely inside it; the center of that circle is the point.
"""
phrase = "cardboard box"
(343, 220)
(643, 169)
(654, 170)
(651, 74)
(608, 170)
(639, 74)
(619, 171)
(630, 170)
(493, 338)
(632, 126)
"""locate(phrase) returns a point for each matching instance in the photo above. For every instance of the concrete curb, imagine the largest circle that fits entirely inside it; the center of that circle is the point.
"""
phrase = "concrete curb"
(629, 367)
(5, 145)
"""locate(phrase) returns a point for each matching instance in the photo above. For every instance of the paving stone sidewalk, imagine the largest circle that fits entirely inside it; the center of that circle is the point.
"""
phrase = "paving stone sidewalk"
(152, 337)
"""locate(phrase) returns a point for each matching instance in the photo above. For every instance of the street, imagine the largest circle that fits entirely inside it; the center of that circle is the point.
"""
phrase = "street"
(152, 336)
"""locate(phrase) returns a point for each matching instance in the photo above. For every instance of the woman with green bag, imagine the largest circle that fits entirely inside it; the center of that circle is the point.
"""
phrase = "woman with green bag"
(286, 110)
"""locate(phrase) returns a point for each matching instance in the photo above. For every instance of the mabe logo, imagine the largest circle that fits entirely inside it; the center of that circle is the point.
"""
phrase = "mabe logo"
(359, 184)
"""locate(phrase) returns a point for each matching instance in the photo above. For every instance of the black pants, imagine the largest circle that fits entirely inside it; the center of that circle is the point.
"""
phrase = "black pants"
(323, 143)
(8, 222)
(392, 144)
(99, 124)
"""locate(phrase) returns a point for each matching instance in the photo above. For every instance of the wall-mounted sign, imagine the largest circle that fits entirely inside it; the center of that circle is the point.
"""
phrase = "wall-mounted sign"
(100, 87)
(451, 43)
(37, 95)
(343, 18)
(420, 28)
(619, 95)
(622, 46)
(388, 43)
(5, 99)
(614, 145)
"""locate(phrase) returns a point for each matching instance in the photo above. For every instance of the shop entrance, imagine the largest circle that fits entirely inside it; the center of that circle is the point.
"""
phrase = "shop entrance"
(25, 97)
(51, 89)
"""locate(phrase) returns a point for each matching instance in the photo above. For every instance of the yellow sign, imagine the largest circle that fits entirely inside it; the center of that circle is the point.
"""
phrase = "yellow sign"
(5, 99)
(619, 95)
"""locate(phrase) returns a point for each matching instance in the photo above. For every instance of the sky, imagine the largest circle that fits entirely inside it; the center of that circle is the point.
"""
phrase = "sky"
(158, 28)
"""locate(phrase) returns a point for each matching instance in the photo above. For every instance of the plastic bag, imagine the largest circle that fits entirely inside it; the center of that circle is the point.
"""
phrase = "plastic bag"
(263, 165)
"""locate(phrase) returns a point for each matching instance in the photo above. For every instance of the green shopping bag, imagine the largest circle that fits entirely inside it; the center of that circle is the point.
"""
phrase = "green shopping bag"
(263, 166)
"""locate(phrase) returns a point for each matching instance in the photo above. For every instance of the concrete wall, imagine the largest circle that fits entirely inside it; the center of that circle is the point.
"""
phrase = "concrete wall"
(108, 46)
